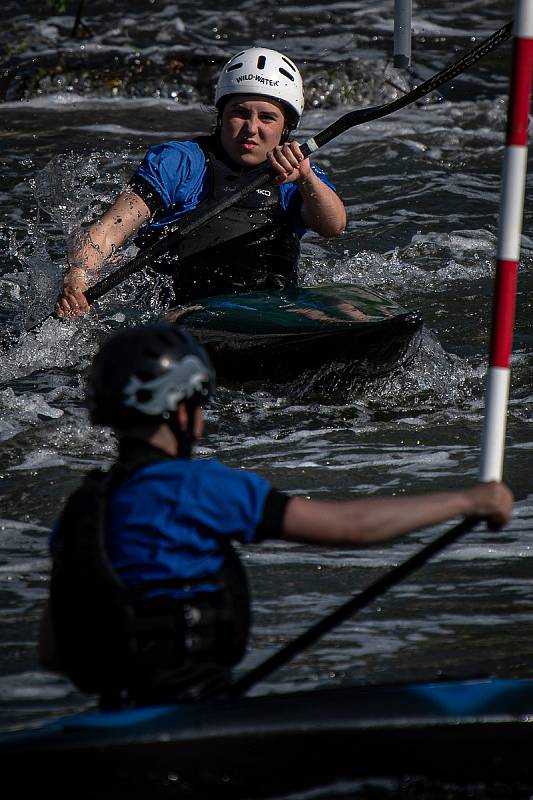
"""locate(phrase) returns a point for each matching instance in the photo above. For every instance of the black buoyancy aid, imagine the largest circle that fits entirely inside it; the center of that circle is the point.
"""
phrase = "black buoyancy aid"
(105, 631)
(251, 245)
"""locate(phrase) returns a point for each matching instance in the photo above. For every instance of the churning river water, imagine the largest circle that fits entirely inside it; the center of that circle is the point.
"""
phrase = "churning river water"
(422, 191)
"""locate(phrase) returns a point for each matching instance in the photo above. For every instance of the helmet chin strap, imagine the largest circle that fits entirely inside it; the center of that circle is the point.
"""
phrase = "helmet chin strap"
(185, 438)
(186, 441)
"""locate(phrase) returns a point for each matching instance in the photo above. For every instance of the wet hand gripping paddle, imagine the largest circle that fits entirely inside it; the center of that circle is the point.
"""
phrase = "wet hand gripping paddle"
(265, 176)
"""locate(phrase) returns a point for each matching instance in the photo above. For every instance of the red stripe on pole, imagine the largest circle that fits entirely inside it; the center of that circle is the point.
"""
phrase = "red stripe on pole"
(503, 313)
(518, 113)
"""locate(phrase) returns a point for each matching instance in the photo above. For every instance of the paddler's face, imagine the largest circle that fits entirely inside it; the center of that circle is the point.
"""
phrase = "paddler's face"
(251, 127)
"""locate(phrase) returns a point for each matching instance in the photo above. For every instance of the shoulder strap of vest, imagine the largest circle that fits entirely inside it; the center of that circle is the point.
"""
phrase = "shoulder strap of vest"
(207, 142)
(134, 454)
(85, 513)
(209, 145)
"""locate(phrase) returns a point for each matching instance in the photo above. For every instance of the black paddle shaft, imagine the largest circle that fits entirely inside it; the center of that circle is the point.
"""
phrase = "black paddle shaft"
(356, 603)
(363, 115)
(196, 219)
(209, 210)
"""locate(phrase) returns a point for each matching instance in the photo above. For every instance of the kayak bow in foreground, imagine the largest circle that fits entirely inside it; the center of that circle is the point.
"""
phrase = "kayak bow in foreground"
(255, 747)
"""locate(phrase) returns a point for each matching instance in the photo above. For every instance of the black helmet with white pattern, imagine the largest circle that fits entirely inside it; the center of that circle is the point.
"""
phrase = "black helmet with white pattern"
(142, 374)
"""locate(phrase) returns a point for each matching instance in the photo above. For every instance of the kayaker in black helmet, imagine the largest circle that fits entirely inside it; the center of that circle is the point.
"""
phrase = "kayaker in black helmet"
(254, 244)
(148, 600)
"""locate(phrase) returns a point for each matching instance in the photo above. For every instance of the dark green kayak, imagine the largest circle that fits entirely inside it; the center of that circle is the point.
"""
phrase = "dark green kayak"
(276, 335)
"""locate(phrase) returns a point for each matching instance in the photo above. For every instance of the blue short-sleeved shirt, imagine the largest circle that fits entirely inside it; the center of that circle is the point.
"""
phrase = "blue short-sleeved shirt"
(170, 519)
(179, 173)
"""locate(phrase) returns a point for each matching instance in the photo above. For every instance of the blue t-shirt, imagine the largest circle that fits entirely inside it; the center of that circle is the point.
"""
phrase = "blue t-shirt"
(169, 520)
(179, 173)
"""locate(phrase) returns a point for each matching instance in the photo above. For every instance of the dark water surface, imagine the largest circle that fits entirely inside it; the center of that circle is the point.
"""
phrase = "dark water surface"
(422, 191)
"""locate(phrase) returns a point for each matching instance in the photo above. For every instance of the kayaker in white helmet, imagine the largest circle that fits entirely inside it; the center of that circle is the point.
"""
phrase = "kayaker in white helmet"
(254, 244)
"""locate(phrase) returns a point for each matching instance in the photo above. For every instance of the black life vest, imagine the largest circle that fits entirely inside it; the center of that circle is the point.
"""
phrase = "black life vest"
(109, 637)
(249, 246)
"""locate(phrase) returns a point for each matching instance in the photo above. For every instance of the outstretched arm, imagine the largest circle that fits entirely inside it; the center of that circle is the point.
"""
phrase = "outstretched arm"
(322, 209)
(96, 243)
(375, 519)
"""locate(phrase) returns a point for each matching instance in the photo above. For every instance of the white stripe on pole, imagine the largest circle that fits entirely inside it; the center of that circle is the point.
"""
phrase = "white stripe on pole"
(497, 394)
(512, 210)
(523, 19)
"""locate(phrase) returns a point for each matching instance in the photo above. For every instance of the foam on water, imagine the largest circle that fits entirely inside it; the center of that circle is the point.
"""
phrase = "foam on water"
(431, 261)
(54, 345)
(32, 686)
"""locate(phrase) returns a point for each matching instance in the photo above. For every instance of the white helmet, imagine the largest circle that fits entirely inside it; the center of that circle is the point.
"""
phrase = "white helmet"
(259, 70)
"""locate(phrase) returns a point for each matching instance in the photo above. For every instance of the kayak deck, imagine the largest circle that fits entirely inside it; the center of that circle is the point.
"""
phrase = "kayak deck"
(276, 335)
(255, 747)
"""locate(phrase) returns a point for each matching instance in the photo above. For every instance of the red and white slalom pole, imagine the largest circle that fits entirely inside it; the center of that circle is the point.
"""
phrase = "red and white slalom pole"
(511, 214)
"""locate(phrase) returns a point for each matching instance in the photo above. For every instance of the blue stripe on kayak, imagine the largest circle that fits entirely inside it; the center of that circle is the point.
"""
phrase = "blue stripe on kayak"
(503, 696)
(466, 698)
(116, 719)
(228, 304)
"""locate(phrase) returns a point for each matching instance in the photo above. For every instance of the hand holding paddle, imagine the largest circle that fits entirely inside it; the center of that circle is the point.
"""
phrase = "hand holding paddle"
(491, 501)
(73, 300)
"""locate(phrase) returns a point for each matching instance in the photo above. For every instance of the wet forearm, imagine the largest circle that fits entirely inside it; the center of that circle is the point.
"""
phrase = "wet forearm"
(92, 246)
(379, 519)
(88, 252)
(376, 519)
(322, 209)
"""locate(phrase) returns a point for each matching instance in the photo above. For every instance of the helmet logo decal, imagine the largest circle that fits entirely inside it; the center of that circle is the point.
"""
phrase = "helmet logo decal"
(258, 78)
(182, 380)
